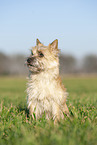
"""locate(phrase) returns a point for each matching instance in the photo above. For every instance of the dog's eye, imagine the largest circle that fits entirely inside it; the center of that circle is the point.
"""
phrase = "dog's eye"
(41, 54)
(32, 52)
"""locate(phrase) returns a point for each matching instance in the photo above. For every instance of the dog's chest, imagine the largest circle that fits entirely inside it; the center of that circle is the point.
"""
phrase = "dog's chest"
(43, 92)
(41, 89)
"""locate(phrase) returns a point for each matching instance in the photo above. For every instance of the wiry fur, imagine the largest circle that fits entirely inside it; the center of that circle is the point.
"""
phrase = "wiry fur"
(45, 90)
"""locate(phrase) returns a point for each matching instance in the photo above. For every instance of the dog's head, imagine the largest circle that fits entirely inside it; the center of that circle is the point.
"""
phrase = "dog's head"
(43, 57)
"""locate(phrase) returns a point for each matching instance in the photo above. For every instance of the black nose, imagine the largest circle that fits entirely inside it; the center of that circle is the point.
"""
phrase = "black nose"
(29, 60)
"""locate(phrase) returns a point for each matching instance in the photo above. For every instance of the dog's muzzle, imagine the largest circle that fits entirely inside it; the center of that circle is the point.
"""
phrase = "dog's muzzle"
(30, 61)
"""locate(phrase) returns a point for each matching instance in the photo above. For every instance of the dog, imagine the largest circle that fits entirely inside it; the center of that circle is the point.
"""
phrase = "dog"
(45, 90)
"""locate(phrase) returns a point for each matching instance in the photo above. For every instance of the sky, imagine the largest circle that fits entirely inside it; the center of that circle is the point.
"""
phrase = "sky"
(72, 22)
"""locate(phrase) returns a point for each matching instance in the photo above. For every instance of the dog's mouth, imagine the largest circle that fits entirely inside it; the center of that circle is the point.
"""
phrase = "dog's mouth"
(30, 65)
(33, 68)
(33, 65)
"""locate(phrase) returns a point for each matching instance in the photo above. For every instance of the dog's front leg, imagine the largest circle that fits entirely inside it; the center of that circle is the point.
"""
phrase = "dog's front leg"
(55, 112)
(32, 111)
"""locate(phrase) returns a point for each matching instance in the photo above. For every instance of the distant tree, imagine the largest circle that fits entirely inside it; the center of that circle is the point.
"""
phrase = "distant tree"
(90, 64)
(3, 64)
(67, 64)
(13, 65)
(17, 65)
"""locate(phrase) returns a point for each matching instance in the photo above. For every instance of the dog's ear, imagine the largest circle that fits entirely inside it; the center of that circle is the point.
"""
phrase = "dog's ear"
(54, 44)
(38, 42)
(54, 47)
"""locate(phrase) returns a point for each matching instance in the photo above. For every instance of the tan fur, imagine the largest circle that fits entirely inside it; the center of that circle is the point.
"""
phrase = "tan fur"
(45, 90)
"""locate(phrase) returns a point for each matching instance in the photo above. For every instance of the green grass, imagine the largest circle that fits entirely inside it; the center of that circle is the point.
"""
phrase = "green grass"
(18, 128)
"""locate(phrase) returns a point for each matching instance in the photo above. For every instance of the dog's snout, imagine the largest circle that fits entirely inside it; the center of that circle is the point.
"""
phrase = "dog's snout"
(29, 60)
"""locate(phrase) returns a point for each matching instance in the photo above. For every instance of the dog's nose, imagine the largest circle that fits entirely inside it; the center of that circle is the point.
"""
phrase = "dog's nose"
(29, 60)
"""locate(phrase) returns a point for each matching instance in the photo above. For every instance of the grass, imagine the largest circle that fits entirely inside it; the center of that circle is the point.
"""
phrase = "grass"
(18, 128)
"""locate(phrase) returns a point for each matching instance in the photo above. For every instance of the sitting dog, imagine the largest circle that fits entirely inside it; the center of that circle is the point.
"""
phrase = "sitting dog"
(45, 90)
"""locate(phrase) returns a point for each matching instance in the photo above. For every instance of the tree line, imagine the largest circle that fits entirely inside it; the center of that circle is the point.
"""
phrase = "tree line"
(15, 65)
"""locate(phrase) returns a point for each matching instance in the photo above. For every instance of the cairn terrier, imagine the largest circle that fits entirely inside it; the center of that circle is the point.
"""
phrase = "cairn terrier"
(45, 90)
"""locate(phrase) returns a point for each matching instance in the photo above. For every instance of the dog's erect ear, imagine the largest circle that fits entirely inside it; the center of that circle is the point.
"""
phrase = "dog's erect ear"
(54, 47)
(38, 42)
(54, 44)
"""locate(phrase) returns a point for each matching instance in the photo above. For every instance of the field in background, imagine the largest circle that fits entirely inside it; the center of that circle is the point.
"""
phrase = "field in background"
(18, 128)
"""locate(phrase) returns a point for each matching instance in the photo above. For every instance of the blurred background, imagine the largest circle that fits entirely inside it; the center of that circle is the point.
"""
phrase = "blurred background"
(73, 23)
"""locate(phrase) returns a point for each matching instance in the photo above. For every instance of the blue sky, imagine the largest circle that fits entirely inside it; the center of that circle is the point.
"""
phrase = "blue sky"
(72, 22)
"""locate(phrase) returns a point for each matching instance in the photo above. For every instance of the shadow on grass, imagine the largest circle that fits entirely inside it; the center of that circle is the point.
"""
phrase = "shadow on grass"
(23, 109)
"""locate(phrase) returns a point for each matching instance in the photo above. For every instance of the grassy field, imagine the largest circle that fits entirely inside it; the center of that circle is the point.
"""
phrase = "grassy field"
(18, 128)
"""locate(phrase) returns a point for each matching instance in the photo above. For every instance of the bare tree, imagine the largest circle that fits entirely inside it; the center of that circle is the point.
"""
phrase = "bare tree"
(90, 64)
(67, 64)
(13, 65)
(17, 65)
(4, 61)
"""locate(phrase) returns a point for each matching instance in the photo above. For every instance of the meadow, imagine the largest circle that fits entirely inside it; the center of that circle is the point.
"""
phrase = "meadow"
(18, 128)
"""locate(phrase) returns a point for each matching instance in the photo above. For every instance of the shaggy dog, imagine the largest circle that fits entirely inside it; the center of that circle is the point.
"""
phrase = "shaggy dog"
(45, 90)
